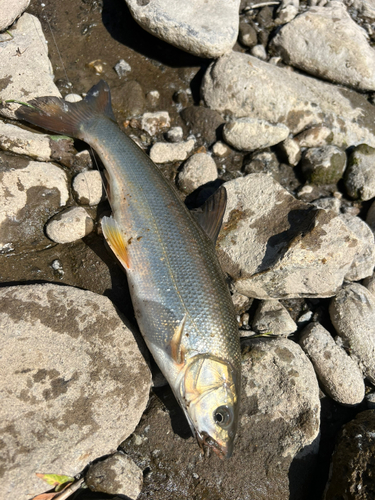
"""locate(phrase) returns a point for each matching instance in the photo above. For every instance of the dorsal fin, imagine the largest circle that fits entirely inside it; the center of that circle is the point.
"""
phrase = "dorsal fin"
(210, 214)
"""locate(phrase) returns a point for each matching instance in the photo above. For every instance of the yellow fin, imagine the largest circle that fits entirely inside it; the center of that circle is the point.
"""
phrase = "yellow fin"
(115, 240)
(177, 351)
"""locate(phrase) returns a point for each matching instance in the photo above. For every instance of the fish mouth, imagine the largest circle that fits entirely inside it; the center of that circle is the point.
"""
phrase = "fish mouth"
(206, 442)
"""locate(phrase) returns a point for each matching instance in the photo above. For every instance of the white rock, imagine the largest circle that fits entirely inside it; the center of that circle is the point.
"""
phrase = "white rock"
(291, 150)
(259, 51)
(9, 11)
(365, 8)
(286, 13)
(30, 75)
(206, 28)
(73, 98)
(220, 149)
(314, 137)
(245, 86)
(163, 152)
(122, 68)
(360, 173)
(116, 475)
(279, 382)
(352, 313)
(339, 375)
(325, 41)
(28, 195)
(88, 187)
(199, 169)
(295, 251)
(153, 123)
(74, 384)
(248, 134)
(71, 225)
(272, 318)
(174, 134)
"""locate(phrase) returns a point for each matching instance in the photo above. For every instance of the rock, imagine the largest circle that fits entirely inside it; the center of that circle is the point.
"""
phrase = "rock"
(72, 98)
(152, 123)
(360, 175)
(39, 147)
(259, 51)
(74, 383)
(339, 375)
(296, 250)
(247, 34)
(70, 225)
(370, 217)
(279, 381)
(133, 99)
(153, 97)
(82, 161)
(290, 148)
(370, 400)
(247, 134)
(220, 149)
(352, 313)
(122, 68)
(353, 462)
(328, 204)
(323, 165)
(199, 169)
(271, 318)
(326, 42)
(9, 11)
(287, 11)
(88, 187)
(117, 474)
(315, 137)
(203, 122)
(174, 134)
(163, 152)
(30, 193)
(204, 28)
(262, 162)
(241, 302)
(30, 75)
(364, 261)
(245, 86)
(369, 283)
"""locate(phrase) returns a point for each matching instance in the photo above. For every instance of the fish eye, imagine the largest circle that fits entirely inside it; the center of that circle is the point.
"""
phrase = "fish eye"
(223, 416)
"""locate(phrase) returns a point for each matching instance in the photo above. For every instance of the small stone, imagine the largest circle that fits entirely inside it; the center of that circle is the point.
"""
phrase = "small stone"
(259, 51)
(174, 134)
(241, 302)
(153, 123)
(247, 35)
(181, 97)
(70, 225)
(73, 98)
(122, 68)
(339, 375)
(291, 149)
(220, 149)
(153, 97)
(133, 99)
(324, 165)
(199, 169)
(82, 161)
(328, 204)
(360, 173)
(203, 122)
(314, 137)
(164, 152)
(261, 162)
(286, 13)
(88, 187)
(248, 134)
(271, 318)
(116, 475)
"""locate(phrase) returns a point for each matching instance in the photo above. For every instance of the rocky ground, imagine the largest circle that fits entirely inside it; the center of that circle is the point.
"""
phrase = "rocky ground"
(275, 101)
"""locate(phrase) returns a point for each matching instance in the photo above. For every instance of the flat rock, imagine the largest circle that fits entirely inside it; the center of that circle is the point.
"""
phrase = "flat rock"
(296, 250)
(199, 169)
(70, 225)
(30, 75)
(272, 318)
(248, 134)
(327, 43)
(352, 313)
(339, 375)
(164, 152)
(30, 193)
(242, 85)
(353, 461)
(74, 384)
(206, 28)
(9, 11)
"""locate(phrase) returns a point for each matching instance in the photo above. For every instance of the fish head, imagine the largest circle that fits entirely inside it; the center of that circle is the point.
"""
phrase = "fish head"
(210, 397)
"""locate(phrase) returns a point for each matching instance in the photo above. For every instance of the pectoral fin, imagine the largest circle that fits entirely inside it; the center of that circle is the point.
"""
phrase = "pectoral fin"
(115, 240)
(177, 350)
(210, 214)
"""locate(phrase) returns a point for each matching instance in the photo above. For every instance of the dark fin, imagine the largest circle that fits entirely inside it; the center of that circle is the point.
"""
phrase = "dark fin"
(210, 214)
(68, 118)
(115, 240)
(177, 351)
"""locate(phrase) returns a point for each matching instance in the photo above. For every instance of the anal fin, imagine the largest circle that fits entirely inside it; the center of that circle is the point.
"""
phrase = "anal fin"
(115, 240)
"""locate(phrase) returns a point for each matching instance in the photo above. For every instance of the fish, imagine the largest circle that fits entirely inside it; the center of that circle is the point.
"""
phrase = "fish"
(179, 293)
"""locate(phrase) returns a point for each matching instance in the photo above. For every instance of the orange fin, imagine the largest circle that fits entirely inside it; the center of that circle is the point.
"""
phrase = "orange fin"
(115, 240)
(177, 351)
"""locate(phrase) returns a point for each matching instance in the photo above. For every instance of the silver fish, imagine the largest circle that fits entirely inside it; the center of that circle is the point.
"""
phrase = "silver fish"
(180, 297)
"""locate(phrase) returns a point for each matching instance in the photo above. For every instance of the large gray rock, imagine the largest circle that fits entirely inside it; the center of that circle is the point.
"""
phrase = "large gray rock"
(327, 43)
(206, 28)
(9, 11)
(245, 86)
(339, 375)
(30, 75)
(352, 313)
(30, 193)
(275, 246)
(74, 384)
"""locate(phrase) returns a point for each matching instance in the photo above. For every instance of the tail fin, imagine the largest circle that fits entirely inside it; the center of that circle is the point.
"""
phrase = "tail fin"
(68, 118)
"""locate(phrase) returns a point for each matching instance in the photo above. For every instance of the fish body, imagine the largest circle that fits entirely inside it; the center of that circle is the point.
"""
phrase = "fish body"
(181, 301)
